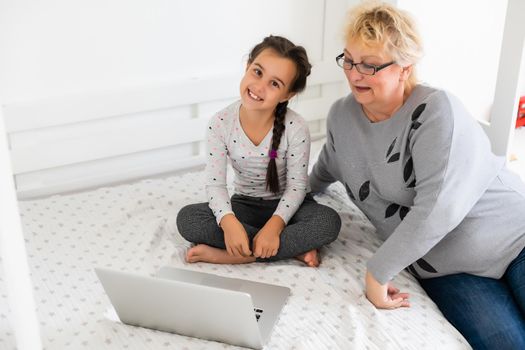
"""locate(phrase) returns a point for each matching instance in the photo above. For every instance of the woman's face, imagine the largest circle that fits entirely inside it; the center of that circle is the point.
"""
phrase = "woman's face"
(379, 92)
(267, 81)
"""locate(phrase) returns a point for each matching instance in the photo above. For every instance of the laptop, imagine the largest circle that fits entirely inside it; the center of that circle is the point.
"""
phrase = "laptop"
(196, 304)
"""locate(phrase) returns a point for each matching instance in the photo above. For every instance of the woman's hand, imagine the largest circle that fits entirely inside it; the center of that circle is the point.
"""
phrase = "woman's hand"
(235, 236)
(266, 241)
(384, 296)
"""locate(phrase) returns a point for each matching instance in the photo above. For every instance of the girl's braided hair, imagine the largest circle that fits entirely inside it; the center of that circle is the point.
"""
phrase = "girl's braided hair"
(297, 54)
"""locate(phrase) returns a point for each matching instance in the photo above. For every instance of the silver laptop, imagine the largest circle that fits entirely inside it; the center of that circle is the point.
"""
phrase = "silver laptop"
(196, 304)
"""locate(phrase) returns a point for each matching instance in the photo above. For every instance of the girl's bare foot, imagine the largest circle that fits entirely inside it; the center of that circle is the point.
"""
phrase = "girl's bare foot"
(205, 253)
(310, 258)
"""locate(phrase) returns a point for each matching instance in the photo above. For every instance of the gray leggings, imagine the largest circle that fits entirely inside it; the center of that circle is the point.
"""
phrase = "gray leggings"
(312, 226)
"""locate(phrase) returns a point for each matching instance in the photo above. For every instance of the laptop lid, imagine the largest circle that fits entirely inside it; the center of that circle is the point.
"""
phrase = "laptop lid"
(268, 299)
(180, 307)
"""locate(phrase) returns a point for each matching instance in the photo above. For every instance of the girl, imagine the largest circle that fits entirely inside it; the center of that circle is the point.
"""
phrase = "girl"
(270, 216)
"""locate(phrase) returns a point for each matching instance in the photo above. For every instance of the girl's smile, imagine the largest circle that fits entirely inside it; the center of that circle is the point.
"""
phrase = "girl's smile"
(266, 82)
(254, 96)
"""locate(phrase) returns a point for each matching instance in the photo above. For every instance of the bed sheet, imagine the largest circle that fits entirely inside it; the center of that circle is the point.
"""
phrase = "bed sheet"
(131, 227)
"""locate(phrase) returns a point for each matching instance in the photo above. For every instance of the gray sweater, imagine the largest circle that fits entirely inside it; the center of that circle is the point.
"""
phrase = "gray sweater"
(426, 178)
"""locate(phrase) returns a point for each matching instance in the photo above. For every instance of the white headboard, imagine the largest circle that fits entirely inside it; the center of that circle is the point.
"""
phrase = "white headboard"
(92, 140)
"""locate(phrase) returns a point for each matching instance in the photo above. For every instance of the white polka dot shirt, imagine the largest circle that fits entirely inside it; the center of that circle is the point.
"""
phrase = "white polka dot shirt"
(226, 140)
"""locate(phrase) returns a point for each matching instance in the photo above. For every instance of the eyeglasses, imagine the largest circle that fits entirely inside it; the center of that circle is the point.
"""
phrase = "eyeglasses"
(363, 68)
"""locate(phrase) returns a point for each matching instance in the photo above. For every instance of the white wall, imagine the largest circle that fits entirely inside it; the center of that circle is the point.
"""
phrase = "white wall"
(104, 91)
(63, 47)
(462, 47)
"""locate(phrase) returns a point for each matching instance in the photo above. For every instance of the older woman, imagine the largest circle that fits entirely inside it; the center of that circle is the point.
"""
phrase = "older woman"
(421, 169)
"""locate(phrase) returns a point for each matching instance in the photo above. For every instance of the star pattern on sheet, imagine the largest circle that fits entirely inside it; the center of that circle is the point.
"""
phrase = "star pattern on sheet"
(132, 227)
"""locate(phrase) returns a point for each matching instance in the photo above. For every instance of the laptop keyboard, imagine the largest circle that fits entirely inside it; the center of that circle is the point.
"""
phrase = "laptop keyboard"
(258, 313)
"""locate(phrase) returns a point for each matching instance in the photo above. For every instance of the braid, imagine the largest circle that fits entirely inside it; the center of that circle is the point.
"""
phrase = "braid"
(297, 54)
(272, 178)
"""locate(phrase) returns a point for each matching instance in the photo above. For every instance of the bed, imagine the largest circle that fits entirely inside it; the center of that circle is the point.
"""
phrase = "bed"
(131, 227)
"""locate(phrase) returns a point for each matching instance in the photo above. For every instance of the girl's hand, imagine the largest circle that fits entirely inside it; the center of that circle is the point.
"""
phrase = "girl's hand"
(235, 236)
(384, 296)
(266, 241)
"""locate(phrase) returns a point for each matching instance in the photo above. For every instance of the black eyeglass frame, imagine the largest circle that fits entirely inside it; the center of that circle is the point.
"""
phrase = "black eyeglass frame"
(376, 68)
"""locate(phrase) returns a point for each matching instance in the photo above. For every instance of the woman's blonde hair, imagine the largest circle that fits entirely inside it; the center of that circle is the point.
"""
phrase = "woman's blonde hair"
(379, 24)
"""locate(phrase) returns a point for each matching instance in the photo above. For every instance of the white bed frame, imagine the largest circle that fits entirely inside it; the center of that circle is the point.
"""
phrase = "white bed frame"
(79, 142)
(13, 256)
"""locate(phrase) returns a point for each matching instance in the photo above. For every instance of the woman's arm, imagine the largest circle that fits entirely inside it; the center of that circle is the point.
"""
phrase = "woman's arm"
(324, 170)
(321, 176)
(452, 165)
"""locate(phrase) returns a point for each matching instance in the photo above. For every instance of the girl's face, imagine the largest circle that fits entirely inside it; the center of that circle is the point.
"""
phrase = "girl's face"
(267, 81)
(379, 91)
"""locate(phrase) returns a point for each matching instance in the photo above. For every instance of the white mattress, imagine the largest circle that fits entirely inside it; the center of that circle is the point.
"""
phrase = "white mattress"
(131, 227)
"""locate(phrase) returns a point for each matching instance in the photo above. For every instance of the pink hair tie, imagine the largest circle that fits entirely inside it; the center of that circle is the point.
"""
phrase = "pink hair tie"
(273, 154)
